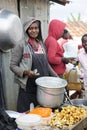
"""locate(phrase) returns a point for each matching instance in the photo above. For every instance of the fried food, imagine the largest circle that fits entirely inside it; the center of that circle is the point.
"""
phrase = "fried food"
(68, 116)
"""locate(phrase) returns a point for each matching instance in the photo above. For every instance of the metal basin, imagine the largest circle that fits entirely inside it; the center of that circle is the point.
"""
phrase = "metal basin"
(11, 30)
(78, 102)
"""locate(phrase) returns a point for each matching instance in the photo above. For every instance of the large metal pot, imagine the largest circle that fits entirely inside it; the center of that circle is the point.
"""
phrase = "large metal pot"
(11, 30)
(50, 91)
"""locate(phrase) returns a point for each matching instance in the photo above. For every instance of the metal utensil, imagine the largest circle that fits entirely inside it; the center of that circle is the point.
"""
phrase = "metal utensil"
(71, 103)
(68, 98)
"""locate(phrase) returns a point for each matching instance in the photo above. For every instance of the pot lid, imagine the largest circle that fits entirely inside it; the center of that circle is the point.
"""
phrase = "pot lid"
(51, 82)
(13, 114)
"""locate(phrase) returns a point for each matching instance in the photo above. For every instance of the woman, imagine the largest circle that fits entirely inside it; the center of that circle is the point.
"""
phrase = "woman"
(28, 62)
(54, 50)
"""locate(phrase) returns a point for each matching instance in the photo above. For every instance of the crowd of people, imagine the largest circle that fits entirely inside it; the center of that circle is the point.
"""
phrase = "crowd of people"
(33, 58)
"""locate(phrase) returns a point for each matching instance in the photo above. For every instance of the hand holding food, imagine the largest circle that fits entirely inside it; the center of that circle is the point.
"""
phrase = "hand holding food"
(65, 60)
(29, 73)
(73, 61)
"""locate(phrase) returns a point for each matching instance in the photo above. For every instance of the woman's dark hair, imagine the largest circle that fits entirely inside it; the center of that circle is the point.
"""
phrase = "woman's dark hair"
(82, 39)
(40, 32)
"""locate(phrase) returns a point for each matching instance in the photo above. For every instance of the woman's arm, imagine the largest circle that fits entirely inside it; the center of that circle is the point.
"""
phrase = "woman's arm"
(16, 56)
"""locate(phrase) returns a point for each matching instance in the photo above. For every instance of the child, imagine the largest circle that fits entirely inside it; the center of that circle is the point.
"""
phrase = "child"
(82, 58)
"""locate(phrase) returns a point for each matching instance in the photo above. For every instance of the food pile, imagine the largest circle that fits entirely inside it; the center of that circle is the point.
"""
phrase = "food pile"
(68, 116)
(43, 112)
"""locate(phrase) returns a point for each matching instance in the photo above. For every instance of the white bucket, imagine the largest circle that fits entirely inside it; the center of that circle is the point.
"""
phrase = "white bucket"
(28, 121)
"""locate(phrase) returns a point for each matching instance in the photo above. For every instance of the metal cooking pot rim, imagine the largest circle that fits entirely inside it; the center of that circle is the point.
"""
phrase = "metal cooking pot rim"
(51, 82)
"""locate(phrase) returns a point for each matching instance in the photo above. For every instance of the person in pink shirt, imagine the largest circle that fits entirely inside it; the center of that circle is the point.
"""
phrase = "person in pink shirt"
(82, 58)
(54, 51)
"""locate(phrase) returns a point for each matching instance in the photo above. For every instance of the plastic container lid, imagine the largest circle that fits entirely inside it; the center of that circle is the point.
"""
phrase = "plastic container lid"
(28, 120)
(13, 114)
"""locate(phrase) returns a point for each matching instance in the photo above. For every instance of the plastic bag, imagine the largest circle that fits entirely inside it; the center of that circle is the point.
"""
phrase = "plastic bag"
(6, 122)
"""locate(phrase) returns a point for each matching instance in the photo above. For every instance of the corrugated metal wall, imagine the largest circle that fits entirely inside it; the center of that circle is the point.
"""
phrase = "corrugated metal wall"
(9, 4)
(26, 8)
(29, 8)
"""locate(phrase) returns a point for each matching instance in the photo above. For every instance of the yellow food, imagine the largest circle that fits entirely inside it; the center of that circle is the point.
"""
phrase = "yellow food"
(68, 116)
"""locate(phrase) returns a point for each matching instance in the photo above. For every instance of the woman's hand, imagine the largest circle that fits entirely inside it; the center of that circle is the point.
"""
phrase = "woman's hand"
(73, 61)
(29, 73)
(65, 60)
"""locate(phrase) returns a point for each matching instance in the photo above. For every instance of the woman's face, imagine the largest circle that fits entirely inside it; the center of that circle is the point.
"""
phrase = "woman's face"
(33, 30)
(66, 35)
(84, 43)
